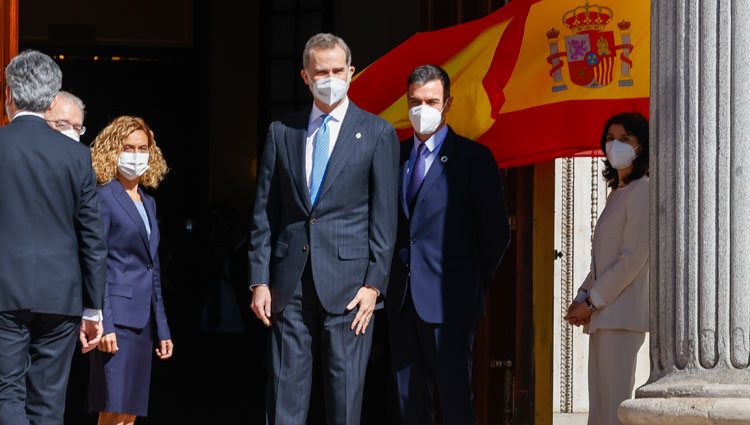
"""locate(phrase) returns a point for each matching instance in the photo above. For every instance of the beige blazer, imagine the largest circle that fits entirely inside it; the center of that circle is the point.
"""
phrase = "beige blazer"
(618, 280)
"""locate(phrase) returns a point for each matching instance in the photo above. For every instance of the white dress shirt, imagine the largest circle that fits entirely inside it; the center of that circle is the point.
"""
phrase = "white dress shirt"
(22, 113)
(334, 126)
(92, 314)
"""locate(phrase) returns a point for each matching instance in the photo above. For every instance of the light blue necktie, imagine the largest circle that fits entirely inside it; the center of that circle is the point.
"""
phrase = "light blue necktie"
(320, 159)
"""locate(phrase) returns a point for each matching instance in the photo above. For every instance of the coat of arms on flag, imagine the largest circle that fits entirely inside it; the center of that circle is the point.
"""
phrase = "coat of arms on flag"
(500, 79)
(591, 51)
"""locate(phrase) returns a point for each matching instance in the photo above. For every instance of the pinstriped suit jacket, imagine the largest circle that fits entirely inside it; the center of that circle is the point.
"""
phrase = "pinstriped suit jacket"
(349, 234)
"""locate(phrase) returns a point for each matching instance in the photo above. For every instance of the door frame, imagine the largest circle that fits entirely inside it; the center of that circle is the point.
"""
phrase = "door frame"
(8, 42)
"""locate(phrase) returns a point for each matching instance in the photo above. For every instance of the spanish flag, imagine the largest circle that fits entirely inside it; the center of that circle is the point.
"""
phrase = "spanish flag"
(533, 81)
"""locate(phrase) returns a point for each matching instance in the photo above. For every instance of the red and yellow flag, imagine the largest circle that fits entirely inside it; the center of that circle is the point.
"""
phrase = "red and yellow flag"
(534, 80)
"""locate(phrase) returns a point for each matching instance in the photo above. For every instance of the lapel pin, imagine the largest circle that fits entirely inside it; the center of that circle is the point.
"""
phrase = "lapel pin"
(358, 135)
(443, 159)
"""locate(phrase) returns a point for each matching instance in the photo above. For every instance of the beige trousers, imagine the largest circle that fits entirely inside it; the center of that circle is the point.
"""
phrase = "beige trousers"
(612, 360)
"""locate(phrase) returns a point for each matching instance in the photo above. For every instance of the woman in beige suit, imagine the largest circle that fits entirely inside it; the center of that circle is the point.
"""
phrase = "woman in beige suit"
(612, 302)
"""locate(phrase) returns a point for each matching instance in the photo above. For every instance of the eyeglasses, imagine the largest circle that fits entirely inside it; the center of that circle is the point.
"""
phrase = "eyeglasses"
(61, 125)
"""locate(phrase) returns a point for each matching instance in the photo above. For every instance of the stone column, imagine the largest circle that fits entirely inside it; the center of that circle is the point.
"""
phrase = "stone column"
(700, 216)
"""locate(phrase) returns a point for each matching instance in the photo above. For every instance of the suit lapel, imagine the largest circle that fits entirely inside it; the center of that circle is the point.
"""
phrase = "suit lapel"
(150, 206)
(130, 209)
(345, 144)
(296, 140)
(437, 167)
(406, 148)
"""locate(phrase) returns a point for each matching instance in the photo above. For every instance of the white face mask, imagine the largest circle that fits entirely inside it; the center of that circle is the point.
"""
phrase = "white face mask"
(132, 165)
(425, 119)
(72, 134)
(619, 154)
(329, 90)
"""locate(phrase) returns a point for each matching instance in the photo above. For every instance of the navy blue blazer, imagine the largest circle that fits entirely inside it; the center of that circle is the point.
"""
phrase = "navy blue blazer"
(348, 235)
(52, 252)
(449, 246)
(133, 288)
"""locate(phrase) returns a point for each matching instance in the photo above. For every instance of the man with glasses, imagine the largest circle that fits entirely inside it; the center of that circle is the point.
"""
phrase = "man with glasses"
(66, 115)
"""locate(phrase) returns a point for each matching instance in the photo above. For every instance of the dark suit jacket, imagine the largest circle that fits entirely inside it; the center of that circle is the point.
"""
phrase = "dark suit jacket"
(450, 245)
(52, 252)
(133, 270)
(348, 235)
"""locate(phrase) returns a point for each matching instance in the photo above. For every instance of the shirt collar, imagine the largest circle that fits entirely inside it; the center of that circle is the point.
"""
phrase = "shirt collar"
(434, 141)
(22, 113)
(337, 114)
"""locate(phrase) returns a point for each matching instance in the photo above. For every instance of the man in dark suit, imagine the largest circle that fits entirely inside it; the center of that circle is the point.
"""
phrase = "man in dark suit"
(452, 232)
(52, 253)
(322, 239)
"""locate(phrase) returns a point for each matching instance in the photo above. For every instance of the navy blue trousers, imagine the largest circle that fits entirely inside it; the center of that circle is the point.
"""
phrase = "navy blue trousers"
(304, 336)
(35, 354)
(428, 357)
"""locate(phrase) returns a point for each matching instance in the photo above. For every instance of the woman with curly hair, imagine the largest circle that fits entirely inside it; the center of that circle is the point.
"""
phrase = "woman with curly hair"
(125, 158)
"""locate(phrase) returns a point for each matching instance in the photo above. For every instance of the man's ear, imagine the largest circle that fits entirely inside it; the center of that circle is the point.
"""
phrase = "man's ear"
(9, 107)
(448, 104)
(305, 77)
(52, 105)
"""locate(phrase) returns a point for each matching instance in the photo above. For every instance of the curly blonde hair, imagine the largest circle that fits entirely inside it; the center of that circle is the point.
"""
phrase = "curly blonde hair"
(108, 146)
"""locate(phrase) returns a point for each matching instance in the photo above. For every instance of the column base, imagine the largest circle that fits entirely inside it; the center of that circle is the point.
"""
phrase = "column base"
(685, 411)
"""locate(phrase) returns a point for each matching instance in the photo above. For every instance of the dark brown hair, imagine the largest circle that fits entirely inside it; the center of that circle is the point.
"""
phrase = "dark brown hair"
(636, 125)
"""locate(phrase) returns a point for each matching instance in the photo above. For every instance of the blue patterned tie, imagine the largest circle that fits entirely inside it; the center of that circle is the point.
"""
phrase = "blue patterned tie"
(417, 175)
(320, 159)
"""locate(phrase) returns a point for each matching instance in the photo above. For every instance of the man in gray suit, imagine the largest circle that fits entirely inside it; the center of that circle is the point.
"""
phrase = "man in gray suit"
(322, 237)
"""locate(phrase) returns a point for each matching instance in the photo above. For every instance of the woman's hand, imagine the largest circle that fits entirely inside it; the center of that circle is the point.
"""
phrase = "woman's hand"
(108, 343)
(578, 314)
(165, 349)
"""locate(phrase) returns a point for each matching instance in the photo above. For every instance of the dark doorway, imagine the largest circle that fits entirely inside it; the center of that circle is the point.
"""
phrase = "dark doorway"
(143, 60)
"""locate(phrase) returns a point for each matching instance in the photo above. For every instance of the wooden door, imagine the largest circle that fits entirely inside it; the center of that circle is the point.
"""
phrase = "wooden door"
(8, 42)
(513, 349)
(502, 371)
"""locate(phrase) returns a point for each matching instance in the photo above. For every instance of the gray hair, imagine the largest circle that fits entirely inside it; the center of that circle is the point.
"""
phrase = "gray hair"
(34, 80)
(324, 41)
(69, 97)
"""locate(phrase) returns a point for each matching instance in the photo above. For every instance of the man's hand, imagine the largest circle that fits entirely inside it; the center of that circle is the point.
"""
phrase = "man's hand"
(366, 299)
(90, 334)
(261, 303)
(578, 314)
(109, 343)
(165, 349)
